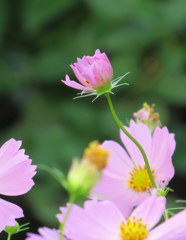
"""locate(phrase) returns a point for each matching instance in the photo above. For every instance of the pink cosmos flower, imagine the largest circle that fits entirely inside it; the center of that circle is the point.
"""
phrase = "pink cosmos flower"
(125, 179)
(92, 72)
(102, 220)
(16, 174)
(44, 234)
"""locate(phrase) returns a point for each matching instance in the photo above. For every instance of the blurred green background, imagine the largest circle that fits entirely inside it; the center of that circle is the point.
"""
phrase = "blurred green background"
(38, 41)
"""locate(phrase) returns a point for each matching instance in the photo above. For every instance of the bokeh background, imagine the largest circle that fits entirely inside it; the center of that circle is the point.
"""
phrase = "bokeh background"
(38, 41)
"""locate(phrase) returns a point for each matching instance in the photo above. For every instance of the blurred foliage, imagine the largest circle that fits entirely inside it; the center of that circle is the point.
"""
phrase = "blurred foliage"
(40, 38)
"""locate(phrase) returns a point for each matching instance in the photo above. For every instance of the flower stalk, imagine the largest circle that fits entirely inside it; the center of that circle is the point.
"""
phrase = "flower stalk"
(9, 236)
(62, 224)
(120, 125)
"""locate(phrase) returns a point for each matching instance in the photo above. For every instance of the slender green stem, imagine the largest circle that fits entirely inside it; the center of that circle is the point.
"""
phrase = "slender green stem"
(178, 208)
(165, 215)
(120, 125)
(9, 236)
(62, 224)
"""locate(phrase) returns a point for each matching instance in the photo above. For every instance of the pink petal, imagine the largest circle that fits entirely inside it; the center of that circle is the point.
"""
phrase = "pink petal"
(59, 216)
(9, 150)
(151, 210)
(75, 85)
(48, 233)
(80, 219)
(45, 234)
(89, 74)
(17, 180)
(89, 60)
(109, 187)
(32, 236)
(143, 135)
(101, 56)
(164, 174)
(8, 213)
(16, 171)
(85, 61)
(97, 75)
(172, 229)
(163, 146)
(115, 188)
(105, 213)
(103, 70)
(78, 75)
(123, 204)
(119, 162)
(97, 52)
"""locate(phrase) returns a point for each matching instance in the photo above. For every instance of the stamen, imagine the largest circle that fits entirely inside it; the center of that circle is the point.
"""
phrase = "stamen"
(139, 180)
(87, 83)
(133, 230)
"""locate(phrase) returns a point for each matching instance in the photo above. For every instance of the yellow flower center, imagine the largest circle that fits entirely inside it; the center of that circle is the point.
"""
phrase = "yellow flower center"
(139, 180)
(96, 155)
(133, 230)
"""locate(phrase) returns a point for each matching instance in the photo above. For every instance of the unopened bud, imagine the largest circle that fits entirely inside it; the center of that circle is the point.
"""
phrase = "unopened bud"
(81, 178)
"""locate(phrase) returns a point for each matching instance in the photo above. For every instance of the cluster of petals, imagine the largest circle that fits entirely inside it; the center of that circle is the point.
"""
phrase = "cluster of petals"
(44, 234)
(101, 220)
(92, 72)
(159, 148)
(16, 173)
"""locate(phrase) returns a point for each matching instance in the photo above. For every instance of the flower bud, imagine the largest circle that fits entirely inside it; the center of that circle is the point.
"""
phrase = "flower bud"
(84, 174)
(94, 74)
(81, 178)
(147, 116)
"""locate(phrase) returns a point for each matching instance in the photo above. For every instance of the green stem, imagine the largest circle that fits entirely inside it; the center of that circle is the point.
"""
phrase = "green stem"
(165, 215)
(9, 236)
(62, 224)
(120, 125)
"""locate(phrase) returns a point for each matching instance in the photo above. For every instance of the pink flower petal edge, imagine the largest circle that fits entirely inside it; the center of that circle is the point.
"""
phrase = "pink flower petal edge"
(16, 170)
(45, 233)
